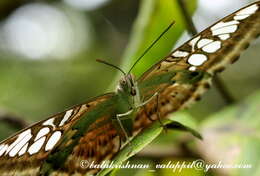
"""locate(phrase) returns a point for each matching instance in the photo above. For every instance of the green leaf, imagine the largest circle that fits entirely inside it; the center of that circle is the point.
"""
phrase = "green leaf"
(143, 139)
(153, 17)
(179, 119)
(231, 136)
(137, 143)
(178, 126)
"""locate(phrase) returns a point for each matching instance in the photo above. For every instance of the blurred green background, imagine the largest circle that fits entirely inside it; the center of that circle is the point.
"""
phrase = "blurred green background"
(48, 50)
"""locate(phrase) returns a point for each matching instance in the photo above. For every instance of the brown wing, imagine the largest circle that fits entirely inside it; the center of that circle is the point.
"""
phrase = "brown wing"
(25, 152)
(210, 51)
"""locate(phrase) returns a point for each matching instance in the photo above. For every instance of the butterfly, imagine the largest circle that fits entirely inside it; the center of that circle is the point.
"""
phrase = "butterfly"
(96, 129)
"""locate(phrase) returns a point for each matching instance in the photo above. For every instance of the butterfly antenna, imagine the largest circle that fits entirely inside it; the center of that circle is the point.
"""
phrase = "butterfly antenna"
(155, 41)
(106, 63)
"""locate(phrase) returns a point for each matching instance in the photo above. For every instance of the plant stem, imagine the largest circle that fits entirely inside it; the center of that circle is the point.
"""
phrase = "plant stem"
(222, 89)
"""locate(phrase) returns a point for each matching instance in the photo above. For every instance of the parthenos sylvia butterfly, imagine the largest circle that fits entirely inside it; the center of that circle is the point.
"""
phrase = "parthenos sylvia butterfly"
(94, 130)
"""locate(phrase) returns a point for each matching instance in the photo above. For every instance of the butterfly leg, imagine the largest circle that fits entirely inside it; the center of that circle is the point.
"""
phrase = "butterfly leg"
(118, 117)
(147, 101)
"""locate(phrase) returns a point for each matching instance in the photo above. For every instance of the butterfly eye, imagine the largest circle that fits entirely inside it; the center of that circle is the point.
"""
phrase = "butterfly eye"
(123, 82)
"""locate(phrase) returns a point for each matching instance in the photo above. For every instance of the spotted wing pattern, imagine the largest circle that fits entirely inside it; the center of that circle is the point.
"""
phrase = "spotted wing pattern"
(213, 48)
(25, 152)
(210, 51)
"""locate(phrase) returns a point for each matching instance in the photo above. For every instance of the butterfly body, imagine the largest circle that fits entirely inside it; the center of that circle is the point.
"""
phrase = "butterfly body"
(94, 131)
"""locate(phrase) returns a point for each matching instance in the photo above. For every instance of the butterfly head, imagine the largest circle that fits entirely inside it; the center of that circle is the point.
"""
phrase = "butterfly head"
(127, 84)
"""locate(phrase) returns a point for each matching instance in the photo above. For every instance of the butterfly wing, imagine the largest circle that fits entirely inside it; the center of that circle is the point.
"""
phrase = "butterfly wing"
(208, 52)
(26, 152)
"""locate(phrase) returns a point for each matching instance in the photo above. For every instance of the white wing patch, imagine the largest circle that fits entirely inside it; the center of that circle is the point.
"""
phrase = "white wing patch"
(245, 13)
(224, 29)
(197, 59)
(21, 145)
(66, 117)
(42, 132)
(192, 68)
(204, 42)
(180, 54)
(1, 146)
(240, 17)
(3, 149)
(53, 140)
(212, 47)
(209, 45)
(224, 24)
(193, 42)
(49, 122)
(248, 11)
(224, 36)
(36, 146)
(23, 150)
(25, 142)
(18, 144)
